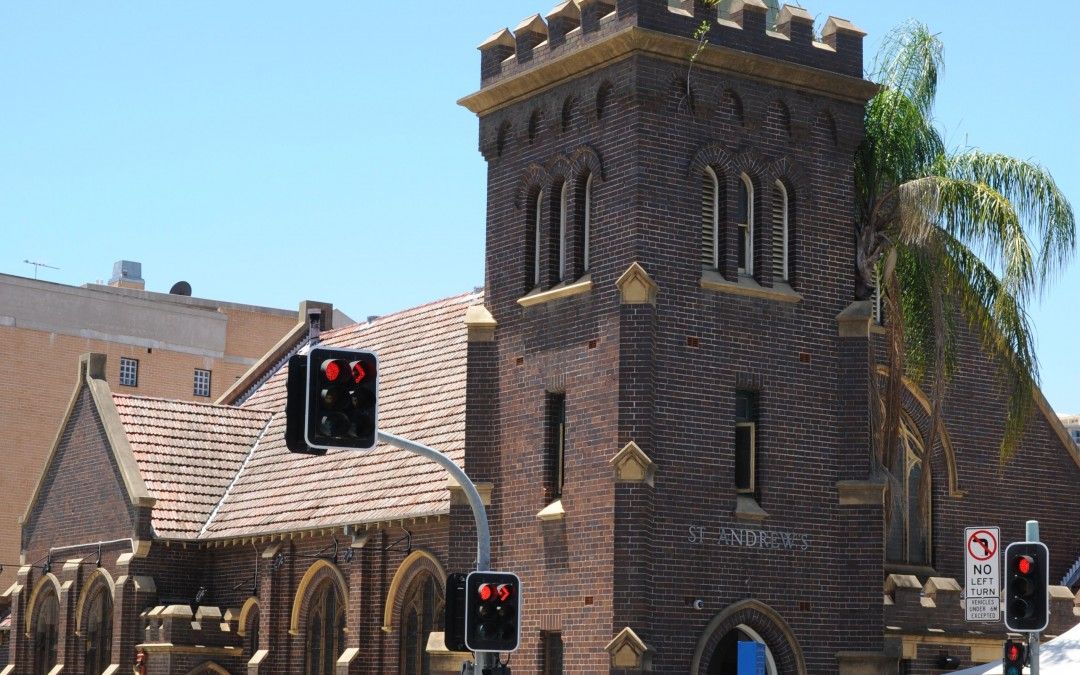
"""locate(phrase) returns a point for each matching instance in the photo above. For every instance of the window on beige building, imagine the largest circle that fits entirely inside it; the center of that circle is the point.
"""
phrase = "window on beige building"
(129, 372)
(202, 382)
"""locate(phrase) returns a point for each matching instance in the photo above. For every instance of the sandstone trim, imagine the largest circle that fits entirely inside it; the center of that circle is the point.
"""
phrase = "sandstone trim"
(711, 281)
(560, 291)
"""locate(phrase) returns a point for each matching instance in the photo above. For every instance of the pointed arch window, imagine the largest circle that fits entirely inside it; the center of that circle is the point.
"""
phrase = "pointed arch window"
(421, 613)
(909, 504)
(325, 630)
(781, 232)
(710, 219)
(744, 219)
(46, 632)
(98, 632)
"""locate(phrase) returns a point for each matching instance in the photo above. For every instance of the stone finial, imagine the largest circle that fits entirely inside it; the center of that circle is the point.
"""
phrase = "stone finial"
(844, 36)
(628, 651)
(494, 50)
(855, 320)
(480, 324)
(632, 465)
(592, 11)
(636, 286)
(528, 34)
(563, 18)
(797, 24)
(750, 14)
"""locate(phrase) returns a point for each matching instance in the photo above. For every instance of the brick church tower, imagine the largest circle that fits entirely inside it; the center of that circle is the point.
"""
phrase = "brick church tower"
(663, 397)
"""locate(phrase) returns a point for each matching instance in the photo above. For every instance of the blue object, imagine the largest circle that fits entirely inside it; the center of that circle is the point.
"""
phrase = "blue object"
(751, 658)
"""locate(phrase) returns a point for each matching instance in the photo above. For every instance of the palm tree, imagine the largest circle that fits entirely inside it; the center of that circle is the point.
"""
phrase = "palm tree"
(948, 237)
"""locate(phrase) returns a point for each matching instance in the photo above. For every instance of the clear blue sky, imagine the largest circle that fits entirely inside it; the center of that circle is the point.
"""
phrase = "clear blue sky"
(210, 141)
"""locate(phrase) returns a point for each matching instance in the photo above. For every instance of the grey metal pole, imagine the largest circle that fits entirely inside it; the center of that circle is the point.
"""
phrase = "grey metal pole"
(1033, 638)
(483, 534)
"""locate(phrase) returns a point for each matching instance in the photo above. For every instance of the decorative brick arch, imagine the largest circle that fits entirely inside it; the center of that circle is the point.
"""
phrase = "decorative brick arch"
(791, 173)
(44, 584)
(712, 155)
(585, 159)
(761, 619)
(208, 668)
(319, 572)
(416, 563)
(97, 578)
(534, 178)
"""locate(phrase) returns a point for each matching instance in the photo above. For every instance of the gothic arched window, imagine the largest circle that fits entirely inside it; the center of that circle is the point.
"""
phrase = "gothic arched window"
(781, 232)
(98, 630)
(909, 504)
(421, 613)
(325, 629)
(45, 632)
(586, 225)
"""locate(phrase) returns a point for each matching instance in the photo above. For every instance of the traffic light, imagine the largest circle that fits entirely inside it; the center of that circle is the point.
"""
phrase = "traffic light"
(1027, 581)
(332, 400)
(1014, 659)
(492, 611)
(454, 612)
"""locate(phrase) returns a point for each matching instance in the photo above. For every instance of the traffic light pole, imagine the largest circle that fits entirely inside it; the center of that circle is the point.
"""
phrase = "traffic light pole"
(484, 660)
(1033, 638)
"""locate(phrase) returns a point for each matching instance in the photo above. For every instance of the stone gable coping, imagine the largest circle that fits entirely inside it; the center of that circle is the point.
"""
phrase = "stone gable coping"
(92, 375)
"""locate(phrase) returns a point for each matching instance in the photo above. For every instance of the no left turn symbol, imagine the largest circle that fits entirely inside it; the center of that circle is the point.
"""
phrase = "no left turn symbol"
(982, 545)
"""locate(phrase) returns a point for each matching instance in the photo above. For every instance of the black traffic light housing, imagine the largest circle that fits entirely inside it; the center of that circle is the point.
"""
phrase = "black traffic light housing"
(1027, 584)
(332, 400)
(1014, 658)
(454, 612)
(492, 611)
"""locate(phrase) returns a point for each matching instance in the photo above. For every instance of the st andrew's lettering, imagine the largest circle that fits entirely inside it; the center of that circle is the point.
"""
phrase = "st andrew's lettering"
(749, 538)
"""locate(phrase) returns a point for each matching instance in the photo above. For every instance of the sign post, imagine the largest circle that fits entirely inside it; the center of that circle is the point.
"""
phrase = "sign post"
(982, 574)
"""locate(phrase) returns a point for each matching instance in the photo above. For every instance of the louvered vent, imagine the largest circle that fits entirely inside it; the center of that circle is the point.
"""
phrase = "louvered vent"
(708, 219)
(779, 234)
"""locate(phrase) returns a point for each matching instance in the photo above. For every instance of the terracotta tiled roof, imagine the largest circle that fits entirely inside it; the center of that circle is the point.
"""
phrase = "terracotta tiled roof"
(211, 480)
(188, 454)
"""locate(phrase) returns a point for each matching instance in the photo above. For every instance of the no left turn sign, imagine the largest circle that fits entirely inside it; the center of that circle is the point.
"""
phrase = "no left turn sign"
(982, 544)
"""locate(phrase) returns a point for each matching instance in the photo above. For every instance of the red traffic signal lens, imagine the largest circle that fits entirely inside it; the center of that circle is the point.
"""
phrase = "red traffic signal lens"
(331, 369)
(1024, 564)
(1013, 653)
(358, 372)
(486, 592)
(505, 592)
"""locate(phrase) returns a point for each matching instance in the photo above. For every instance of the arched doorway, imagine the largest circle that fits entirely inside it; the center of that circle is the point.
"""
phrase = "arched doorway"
(725, 658)
(747, 621)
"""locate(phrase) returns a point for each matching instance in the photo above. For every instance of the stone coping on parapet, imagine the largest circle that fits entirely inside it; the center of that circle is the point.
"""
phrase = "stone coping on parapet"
(538, 40)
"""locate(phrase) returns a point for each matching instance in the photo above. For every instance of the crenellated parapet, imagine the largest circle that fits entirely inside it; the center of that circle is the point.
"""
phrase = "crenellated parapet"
(575, 24)
(931, 612)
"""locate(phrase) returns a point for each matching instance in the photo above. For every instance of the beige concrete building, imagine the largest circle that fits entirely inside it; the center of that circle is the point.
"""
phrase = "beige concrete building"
(1072, 425)
(168, 345)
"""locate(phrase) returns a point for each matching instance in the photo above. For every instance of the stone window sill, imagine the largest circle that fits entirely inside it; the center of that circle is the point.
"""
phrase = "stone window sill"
(553, 511)
(746, 286)
(563, 290)
(748, 511)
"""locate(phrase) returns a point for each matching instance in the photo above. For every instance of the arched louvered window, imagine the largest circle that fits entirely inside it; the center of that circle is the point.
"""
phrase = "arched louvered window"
(587, 225)
(537, 217)
(744, 218)
(781, 234)
(98, 631)
(564, 197)
(710, 219)
(908, 538)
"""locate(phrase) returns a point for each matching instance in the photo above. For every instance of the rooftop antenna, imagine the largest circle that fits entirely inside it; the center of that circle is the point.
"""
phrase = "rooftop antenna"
(38, 265)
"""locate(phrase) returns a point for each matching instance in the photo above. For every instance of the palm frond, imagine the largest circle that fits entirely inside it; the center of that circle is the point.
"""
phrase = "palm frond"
(1040, 205)
(997, 316)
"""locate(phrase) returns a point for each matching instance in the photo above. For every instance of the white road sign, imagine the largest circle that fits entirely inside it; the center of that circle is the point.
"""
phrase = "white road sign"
(982, 581)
